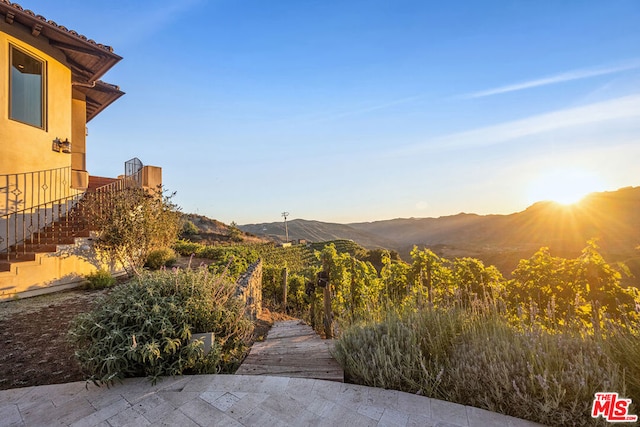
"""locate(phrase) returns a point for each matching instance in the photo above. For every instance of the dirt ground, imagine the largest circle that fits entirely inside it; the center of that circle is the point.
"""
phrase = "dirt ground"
(33, 346)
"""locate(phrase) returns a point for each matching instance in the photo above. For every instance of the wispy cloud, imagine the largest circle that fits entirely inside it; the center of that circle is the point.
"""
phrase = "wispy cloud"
(558, 78)
(149, 21)
(626, 107)
(368, 109)
(339, 112)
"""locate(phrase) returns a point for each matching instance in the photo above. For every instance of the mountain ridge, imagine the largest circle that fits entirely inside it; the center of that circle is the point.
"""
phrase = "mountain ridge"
(611, 217)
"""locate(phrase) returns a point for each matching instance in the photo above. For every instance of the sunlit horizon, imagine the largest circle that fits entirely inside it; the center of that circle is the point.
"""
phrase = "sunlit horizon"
(564, 186)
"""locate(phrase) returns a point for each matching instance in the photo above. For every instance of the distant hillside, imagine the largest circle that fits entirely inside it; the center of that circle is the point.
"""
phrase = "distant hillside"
(213, 231)
(317, 231)
(611, 217)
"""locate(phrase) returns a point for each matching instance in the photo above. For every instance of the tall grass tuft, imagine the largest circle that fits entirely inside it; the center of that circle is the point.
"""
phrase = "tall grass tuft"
(623, 346)
(478, 359)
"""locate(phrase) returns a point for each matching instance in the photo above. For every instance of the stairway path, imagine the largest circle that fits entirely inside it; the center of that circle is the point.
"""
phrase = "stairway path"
(292, 349)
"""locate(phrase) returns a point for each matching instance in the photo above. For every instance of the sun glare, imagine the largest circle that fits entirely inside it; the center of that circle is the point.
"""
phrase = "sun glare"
(566, 186)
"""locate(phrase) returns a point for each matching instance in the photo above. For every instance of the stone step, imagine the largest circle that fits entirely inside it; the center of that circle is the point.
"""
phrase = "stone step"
(78, 232)
(57, 238)
(39, 247)
(7, 260)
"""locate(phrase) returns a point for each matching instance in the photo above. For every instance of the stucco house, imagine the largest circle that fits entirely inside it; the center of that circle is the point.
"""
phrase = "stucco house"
(49, 91)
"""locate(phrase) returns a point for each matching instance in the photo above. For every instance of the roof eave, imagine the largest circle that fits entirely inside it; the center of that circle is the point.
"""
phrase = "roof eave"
(59, 34)
(99, 96)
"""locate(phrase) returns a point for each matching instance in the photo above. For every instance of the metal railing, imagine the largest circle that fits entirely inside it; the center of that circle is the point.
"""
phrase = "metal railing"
(30, 203)
(41, 208)
(20, 191)
(126, 181)
(105, 197)
(49, 223)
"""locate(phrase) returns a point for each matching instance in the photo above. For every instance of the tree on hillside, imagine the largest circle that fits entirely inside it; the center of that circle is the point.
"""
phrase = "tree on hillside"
(375, 257)
(234, 233)
(188, 228)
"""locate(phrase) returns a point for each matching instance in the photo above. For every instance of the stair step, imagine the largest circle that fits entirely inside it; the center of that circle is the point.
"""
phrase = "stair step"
(99, 181)
(54, 239)
(67, 226)
(52, 235)
(5, 264)
(40, 248)
(18, 257)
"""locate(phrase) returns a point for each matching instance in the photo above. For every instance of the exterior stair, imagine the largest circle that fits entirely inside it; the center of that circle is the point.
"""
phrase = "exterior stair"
(99, 181)
(65, 231)
(60, 254)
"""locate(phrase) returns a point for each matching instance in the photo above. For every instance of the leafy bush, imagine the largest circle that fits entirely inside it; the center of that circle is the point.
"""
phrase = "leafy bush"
(234, 233)
(143, 328)
(100, 279)
(187, 248)
(189, 228)
(130, 222)
(158, 258)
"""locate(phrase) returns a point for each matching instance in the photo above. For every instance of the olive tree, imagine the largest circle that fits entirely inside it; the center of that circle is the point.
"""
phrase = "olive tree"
(131, 222)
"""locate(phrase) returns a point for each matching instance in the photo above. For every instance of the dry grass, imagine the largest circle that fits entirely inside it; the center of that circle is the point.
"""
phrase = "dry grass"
(480, 360)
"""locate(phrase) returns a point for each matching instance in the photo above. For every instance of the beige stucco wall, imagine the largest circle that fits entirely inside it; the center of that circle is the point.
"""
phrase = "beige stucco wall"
(50, 272)
(80, 177)
(27, 148)
(151, 177)
(78, 132)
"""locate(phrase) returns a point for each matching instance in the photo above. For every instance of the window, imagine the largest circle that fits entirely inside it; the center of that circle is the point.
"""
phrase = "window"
(26, 96)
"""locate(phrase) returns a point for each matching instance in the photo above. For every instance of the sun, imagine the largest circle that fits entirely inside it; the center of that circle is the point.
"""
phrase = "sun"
(564, 186)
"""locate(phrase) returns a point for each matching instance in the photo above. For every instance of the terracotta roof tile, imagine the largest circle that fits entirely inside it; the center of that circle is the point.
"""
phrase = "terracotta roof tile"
(54, 25)
(87, 59)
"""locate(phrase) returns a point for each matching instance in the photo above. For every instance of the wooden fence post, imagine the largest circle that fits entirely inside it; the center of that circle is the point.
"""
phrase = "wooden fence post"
(328, 314)
(284, 288)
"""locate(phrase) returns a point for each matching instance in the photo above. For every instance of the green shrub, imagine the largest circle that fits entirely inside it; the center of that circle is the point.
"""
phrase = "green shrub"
(158, 258)
(143, 328)
(187, 248)
(100, 279)
(130, 222)
(189, 228)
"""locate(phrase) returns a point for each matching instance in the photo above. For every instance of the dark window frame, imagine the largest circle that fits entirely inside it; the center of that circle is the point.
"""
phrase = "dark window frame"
(43, 87)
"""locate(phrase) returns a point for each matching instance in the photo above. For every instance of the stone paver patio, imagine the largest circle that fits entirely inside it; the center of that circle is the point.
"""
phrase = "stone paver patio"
(234, 400)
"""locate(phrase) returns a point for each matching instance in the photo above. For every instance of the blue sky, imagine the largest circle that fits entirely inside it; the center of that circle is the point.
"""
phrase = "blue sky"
(349, 111)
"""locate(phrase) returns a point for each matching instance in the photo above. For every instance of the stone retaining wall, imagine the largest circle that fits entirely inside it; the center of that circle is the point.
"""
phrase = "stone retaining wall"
(249, 289)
